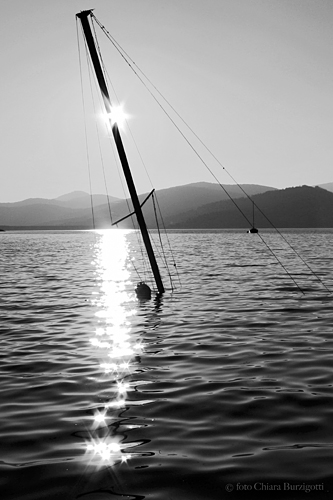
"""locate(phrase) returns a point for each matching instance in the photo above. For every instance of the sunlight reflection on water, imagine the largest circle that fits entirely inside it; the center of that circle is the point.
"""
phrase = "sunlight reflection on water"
(115, 348)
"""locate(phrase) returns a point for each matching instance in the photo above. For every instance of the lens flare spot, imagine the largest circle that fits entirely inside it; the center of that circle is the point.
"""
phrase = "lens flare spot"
(116, 116)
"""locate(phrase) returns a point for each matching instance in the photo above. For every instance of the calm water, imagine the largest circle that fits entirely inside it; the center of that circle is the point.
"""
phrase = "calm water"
(222, 389)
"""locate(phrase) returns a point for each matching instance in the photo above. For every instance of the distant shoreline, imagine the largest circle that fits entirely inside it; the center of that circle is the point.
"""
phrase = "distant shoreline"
(187, 229)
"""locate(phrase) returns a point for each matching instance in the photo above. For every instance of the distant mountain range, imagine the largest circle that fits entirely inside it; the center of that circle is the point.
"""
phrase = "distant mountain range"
(199, 205)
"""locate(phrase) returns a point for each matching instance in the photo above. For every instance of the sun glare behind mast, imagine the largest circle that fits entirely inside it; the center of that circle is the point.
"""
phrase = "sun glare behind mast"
(117, 116)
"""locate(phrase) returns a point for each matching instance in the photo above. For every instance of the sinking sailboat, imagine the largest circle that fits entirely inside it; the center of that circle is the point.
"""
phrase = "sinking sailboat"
(253, 229)
(142, 290)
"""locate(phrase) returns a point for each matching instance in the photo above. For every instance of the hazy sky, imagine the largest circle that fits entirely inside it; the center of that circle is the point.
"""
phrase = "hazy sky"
(253, 78)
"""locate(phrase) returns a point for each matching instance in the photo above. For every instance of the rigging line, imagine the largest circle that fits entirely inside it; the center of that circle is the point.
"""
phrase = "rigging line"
(140, 246)
(144, 260)
(127, 124)
(122, 185)
(160, 255)
(140, 156)
(139, 242)
(136, 270)
(262, 213)
(85, 127)
(89, 66)
(119, 49)
(162, 247)
(107, 78)
(107, 131)
(128, 207)
(98, 48)
(104, 177)
(228, 173)
(295, 251)
(122, 52)
(99, 146)
(143, 255)
(281, 264)
(116, 45)
(168, 240)
(130, 64)
(145, 264)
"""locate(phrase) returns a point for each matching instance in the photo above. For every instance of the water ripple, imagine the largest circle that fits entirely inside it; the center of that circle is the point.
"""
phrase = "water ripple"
(227, 379)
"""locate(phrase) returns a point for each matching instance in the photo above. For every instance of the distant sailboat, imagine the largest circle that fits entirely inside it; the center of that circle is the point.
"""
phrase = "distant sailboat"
(142, 290)
(253, 229)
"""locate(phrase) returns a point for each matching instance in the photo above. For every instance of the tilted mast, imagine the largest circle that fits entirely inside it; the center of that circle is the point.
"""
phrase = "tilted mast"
(83, 16)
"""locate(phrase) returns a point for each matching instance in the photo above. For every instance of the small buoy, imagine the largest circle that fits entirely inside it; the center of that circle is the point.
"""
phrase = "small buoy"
(253, 230)
(143, 291)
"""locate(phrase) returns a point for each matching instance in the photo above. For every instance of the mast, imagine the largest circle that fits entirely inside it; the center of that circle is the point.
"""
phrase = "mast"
(83, 16)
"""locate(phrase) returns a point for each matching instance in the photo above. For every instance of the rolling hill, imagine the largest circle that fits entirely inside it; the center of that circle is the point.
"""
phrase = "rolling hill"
(299, 207)
(73, 210)
(200, 205)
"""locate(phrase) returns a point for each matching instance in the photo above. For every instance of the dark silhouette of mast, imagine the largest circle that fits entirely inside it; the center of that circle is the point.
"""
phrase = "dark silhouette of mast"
(83, 16)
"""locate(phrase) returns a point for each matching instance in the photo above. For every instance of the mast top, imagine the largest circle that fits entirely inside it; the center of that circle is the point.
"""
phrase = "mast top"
(84, 13)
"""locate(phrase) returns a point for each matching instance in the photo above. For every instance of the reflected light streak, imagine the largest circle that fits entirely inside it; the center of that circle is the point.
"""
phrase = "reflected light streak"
(112, 343)
(105, 451)
(122, 387)
(98, 343)
(115, 404)
(109, 367)
(110, 452)
(119, 352)
(100, 417)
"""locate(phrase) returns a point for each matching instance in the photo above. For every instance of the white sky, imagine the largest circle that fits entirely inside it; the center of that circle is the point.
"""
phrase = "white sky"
(253, 78)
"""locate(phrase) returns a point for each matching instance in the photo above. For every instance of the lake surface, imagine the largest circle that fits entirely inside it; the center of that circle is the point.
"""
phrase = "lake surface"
(221, 389)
